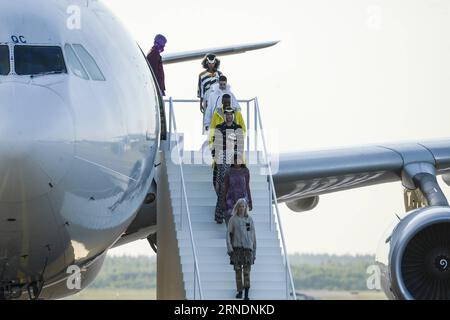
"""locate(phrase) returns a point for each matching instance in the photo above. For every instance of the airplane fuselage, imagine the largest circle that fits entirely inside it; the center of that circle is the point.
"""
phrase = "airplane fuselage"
(77, 146)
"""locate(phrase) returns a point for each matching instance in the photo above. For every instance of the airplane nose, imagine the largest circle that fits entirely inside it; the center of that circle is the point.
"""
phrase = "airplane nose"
(36, 141)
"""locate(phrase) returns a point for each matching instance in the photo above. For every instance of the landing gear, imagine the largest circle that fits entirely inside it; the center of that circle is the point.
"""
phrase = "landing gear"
(152, 240)
(34, 290)
(422, 188)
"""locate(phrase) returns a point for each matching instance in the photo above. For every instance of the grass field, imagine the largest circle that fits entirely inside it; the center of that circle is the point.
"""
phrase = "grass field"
(127, 294)
(107, 294)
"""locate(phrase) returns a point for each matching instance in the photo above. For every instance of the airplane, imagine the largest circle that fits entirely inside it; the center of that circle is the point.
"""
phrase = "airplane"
(81, 124)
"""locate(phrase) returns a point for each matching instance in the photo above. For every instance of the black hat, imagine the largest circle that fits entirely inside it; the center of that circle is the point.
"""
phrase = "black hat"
(211, 58)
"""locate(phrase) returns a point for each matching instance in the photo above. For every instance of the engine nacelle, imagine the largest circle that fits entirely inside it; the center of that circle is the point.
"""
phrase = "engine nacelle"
(416, 259)
(302, 205)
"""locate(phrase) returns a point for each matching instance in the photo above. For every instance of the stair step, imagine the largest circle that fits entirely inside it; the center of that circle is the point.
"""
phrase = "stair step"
(221, 243)
(208, 210)
(211, 200)
(187, 251)
(207, 286)
(261, 227)
(206, 222)
(259, 271)
(218, 256)
(207, 175)
(203, 169)
(196, 158)
(220, 234)
(207, 185)
(220, 259)
(208, 178)
(229, 275)
(222, 263)
(181, 136)
(205, 217)
(199, 196)
(202, 223)
(272, 260)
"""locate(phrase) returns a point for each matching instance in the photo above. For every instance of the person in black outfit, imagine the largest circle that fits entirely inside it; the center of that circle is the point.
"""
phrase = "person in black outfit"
(228, 139)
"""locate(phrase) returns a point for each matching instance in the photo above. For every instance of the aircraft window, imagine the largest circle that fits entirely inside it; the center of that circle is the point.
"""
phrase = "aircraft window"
(74, 63)
(4, 60)
(32, 60)
(91, 66)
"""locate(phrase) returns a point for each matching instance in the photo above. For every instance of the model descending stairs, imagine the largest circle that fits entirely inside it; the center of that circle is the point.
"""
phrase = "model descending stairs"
(200, 243)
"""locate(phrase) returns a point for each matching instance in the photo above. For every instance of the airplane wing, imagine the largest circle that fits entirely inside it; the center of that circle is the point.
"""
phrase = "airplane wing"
(199, 54)
(307, 175)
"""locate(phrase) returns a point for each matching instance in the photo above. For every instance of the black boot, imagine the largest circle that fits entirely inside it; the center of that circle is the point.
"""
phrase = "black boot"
(246, 294)
(239, 295)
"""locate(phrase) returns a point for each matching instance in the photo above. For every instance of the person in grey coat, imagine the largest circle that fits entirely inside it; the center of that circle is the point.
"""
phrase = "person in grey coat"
(241, 246)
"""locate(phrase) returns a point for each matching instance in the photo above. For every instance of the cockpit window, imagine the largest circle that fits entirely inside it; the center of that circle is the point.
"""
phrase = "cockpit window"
(74, 63)
(89, 62)
(33, 60)
(4, 60)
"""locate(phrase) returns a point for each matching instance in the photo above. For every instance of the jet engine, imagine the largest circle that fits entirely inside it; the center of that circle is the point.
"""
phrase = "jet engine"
(302, 205)
(415, 262)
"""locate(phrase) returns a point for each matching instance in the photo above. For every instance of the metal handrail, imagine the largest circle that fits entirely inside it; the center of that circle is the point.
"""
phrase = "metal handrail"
(194, 250)
(274, 195)
(198, 100)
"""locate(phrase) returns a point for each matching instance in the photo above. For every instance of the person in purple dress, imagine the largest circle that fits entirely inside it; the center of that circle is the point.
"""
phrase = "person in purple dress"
(236, 186)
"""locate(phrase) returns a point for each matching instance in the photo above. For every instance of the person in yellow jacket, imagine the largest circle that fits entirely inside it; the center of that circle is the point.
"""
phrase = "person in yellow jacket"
(217, 119)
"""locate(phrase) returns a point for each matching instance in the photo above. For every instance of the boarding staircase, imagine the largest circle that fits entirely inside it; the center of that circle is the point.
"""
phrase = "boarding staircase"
(200, 242)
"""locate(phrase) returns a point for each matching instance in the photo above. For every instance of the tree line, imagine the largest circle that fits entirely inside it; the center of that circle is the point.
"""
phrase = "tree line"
(320, 272)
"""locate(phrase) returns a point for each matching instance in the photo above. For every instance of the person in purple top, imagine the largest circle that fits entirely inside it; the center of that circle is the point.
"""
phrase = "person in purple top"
(155, 60)
(237, 186)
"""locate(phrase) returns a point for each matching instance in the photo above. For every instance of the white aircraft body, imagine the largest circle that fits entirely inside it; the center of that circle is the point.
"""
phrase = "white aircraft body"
(81, 120)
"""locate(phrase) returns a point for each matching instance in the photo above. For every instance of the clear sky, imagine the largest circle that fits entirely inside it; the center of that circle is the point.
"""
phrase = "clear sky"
(347, 72)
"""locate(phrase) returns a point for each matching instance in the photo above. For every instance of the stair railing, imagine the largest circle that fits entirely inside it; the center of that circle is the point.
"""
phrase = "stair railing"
(173, 130)
(259, 124)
